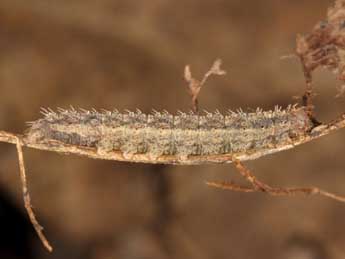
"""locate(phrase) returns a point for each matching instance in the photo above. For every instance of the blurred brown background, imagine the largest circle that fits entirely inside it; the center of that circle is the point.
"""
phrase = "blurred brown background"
(129, 54)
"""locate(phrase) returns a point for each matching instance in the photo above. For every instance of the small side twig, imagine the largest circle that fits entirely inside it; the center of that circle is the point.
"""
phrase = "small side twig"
(194, 85)
(27, 200)
(230, 186)
(259, 186)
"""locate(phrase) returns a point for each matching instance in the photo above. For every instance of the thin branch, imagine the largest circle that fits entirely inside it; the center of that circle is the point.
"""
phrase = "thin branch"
(230, 186)
(259, 186)
(27, 199)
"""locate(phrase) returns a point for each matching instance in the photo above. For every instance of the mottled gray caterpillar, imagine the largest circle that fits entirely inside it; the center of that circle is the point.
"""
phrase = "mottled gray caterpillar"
(168, 139)
(192, 138)
(173, 139)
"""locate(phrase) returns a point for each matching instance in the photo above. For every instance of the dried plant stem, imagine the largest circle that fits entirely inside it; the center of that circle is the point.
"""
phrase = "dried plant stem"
(231, 186)
(259, 186)
(27, 199)
(194, 85)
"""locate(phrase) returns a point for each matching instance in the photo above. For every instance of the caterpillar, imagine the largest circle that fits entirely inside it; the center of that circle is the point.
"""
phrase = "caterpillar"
(185, 138)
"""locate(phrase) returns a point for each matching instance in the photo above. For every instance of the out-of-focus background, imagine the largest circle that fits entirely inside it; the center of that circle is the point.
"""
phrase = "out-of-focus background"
(129, 54)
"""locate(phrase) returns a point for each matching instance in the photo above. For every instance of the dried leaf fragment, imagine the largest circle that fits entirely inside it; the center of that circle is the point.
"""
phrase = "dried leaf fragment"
(194, 85)
(325, 46)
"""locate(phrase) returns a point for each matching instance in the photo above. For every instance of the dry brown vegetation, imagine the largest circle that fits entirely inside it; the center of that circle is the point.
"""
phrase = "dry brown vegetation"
(124, 54)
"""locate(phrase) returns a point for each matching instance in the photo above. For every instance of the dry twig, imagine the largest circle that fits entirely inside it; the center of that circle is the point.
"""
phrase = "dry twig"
(259, 186)
(194, 85)
(27, 199)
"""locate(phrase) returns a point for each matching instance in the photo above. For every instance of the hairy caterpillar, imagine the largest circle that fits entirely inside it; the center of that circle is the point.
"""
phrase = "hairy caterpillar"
(166, 138)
